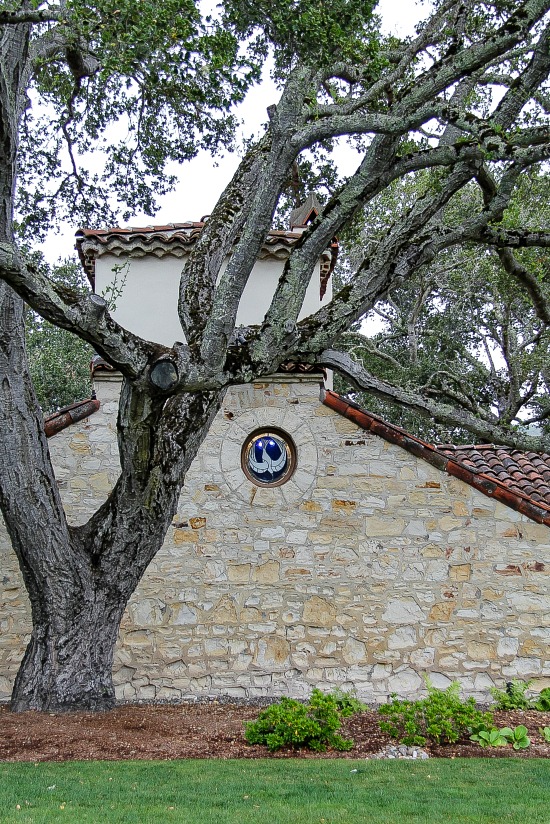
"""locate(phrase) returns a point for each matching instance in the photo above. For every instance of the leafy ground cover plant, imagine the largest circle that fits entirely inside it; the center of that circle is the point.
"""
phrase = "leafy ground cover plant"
(494, 737)
(513, 697)
(545, 733)
(290, 723)
(517, 736)
(442, 717)
(489, 738)
(542, 701)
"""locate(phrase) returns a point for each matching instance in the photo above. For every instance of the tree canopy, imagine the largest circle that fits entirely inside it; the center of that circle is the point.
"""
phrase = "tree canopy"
(464, 102)
(461, 330)
(460, 109)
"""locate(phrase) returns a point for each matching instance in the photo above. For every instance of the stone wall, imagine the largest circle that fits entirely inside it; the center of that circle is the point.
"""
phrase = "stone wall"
(369, 568)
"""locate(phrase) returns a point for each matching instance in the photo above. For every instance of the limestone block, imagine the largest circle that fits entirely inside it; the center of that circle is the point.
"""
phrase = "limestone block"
(381, 671)
(460, 572)
(183, 615)
(297, 536)
(272, 652)
(432, 551)
(448, 523)
(225, 612)
(522, 668)
(273, 532)
(342, 505)
(402, 638)
(183, 536)
(101, 482)
(423, 658)
(311, 506)
(378, 526)
(538, 533)
(405, 682)
(533, 647)
(490, 611)
(267, 573)
(442, 611)
(239, 573)
(436, 571)
(387, 567)
(147, 612)
(481, 651)
(318, 612)
(383, 469)
(467, 614)
(354, 651)
(215, 571)
(402, 611)
(79, 443)
(528, 601)
(416, 528)
(300, 660)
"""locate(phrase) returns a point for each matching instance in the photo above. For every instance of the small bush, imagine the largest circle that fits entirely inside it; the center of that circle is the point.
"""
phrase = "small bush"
(489, 738)
(542, 701)
(513, 697)
(517, 737)
(442, 717)
(290, 723)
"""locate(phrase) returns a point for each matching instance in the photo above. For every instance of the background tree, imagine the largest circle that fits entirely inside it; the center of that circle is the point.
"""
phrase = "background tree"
(59, 362)
(160, 71)
(461, 330)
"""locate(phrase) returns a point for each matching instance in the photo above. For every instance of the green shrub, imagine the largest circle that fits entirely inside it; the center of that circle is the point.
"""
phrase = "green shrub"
(442, 717)
(517, 736)
(513, 697)
(314, 725)
(489, 738)
(542, 701)
(494, 737)
(347, 702)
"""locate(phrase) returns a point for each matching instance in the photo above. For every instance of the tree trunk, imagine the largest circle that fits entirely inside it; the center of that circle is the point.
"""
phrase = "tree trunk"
(68, 662)
(79, 579)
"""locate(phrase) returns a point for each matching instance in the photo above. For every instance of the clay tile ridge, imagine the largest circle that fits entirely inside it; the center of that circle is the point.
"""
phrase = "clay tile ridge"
(170, 239)
(505, 490)
(68, 415)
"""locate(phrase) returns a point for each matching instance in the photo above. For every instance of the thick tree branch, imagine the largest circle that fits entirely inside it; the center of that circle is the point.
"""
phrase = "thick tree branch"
(485, 431)
(14, 18)
(261, 195)
(86, 316)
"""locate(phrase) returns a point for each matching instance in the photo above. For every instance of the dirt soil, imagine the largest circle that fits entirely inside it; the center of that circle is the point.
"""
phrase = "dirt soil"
(204, 730)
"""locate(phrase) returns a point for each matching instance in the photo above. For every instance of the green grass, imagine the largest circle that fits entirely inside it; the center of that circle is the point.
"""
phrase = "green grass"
(468, 791)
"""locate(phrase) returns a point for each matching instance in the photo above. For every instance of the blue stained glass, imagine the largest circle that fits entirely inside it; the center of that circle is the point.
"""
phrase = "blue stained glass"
(267, 458)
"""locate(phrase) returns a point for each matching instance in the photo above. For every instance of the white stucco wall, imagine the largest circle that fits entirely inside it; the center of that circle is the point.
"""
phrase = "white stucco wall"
(149, 299)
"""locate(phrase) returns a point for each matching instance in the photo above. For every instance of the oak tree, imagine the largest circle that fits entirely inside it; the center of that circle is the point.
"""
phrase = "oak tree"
(465, 98)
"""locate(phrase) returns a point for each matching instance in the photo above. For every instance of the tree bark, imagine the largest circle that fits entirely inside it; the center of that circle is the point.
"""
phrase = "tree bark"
(79, 579)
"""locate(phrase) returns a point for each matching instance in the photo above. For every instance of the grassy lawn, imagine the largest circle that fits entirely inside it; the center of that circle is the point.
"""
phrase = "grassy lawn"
(480, 791)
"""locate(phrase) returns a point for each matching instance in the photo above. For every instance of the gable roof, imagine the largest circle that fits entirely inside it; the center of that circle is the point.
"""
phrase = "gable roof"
(177, 239)
(520, 480)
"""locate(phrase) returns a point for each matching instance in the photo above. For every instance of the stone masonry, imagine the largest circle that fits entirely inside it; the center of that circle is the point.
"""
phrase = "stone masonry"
(368, 569)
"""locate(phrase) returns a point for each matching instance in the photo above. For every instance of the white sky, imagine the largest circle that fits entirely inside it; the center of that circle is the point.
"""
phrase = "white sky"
(203, 179)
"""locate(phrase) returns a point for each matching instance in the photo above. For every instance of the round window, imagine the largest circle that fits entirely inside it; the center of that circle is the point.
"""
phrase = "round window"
(268, 457)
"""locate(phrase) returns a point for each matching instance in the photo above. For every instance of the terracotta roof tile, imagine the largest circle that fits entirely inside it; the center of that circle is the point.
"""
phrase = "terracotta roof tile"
(175, 239)
(526, 473)
(68, 415)
(521, 480)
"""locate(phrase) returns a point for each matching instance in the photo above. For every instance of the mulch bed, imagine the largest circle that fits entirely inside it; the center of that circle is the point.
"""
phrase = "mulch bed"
(205, 730)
